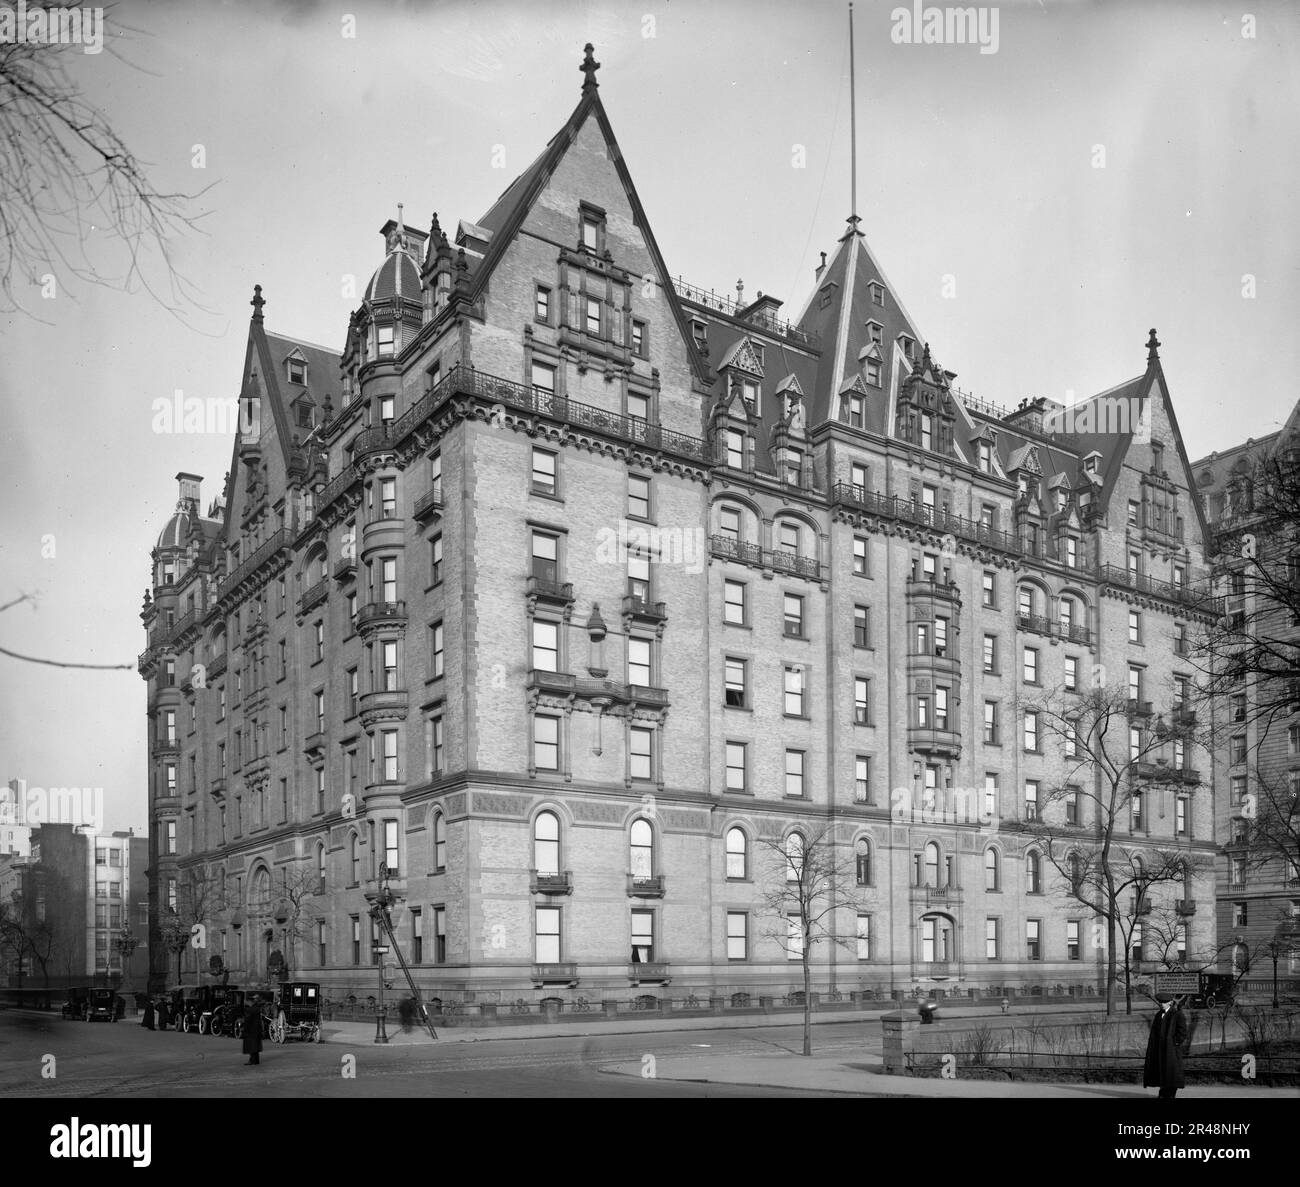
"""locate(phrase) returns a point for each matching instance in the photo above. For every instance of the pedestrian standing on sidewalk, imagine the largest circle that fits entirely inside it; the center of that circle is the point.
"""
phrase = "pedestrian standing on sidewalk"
(147, 1020)
(1164, 1063)
(252, 1032)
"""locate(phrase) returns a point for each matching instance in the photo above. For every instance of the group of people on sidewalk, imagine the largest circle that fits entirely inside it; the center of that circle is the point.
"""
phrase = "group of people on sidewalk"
(158, 1014)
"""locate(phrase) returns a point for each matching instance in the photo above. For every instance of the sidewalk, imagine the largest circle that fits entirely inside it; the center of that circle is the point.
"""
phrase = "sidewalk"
(583, 1026)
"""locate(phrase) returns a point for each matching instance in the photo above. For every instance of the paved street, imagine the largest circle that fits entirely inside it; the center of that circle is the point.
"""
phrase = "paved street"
(124, 1060)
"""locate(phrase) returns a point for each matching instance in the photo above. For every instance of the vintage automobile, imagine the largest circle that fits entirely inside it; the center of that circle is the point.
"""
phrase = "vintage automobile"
(1203, 991)
(296, 1012)
(75, 1005)
(101, 1004)
(225, 1004)
(186, 1005)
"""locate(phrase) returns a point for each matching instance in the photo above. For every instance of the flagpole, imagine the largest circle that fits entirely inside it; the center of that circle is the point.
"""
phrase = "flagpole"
(853, 122)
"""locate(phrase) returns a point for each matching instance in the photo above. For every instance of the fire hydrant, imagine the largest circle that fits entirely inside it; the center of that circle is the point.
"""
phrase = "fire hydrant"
(1006, 1006)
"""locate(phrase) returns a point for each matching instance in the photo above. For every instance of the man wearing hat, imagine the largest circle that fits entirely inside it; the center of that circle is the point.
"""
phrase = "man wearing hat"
(1164, 1063)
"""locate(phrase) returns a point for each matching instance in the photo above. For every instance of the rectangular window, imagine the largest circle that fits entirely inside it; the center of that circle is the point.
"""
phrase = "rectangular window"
(991, 654)
(639, 339)
(861, 700)
(593, 316)
(1071, 552)
(546, 743)
(1134, 626)
(1031, 799)
(356, 939)
(864, 937)
(794, 763)
(1180, 815)
(390, 848)
(991, 795)
(736, 765)
(1031, 730)
(546, 557)
(641, 752)
(940, 708)
(390, 755)
(794, 938)
(862, 779)
(733, 602)
(991, 946)
(638, 496)
(1237, 748)
(546, 645)
(1071, 807)
(734, 694)
(735, 449)
(737, 935)
(440, 934)
(793, 618)
(1031, 665)
(542, 306)
(860, 556)
(639, 662)
(1071, 673)
(989, 589)
(1033, 949)
(861, 627)
(794, 691)
(544, 472)
(435, 560)
(546, 935)
(320, 640)
(860, 481)
(543, 379)
(1072, 939)
(388, 657)
(643, 937)
(417, 936)
(991, 722)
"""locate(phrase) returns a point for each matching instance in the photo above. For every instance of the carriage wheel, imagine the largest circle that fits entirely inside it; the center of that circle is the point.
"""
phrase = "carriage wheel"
(205, 1024)
(186, 1024)
(214, 1027)
(1210, 1001)
(239, 1028)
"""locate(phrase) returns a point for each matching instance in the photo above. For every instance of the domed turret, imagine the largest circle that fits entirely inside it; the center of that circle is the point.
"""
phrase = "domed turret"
(394, 299)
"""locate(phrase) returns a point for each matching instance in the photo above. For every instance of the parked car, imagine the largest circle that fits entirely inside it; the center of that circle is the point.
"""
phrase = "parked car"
(75, 1005)
(223, 1003)
(101, 1005)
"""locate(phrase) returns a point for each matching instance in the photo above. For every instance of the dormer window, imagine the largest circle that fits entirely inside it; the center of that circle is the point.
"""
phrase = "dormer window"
(297, 370)
(877, 294)
(986, 456)
(856, 408)
(759, 352)
(875, 333)
(735, 449)
(1090, 464)
(873, 372)
(384, 341)
(908, 345)
(927, 430)
(592, 228)
(700, 333)
(752, 394)
(304, 415)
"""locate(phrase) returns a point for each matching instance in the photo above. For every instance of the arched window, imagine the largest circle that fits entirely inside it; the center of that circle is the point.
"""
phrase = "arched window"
(794, 857)
(439, 842)
(931, 864)
(991, 872)
(356, 859)
(546, 843)
(642, 850)
(260, 892)
(737, 854)
(1033, 874)
(862, 861)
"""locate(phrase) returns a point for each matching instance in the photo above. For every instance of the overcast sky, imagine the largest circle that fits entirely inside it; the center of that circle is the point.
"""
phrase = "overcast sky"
(1031, 270)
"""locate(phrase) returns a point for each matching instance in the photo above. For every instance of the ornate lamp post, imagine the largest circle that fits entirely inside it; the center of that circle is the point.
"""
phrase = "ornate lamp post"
(125, 945)
(1275, 949)
(381, 902)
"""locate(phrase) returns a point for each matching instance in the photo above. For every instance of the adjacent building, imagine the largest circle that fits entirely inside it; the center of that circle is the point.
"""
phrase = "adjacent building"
(564, 594)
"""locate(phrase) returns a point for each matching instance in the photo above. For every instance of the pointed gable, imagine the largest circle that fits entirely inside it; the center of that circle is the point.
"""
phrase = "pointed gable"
(740, 356)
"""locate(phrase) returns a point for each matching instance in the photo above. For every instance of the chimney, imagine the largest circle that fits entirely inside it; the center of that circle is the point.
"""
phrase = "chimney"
(820, 267)
(189, 490)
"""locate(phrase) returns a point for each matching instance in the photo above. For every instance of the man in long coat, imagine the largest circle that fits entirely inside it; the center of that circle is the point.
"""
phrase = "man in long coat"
(147, 1020)
(252, 1032)
(1164, 1063)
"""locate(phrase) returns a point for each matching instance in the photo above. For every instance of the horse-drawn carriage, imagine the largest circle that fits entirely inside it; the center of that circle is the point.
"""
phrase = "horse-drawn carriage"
(295, 1013)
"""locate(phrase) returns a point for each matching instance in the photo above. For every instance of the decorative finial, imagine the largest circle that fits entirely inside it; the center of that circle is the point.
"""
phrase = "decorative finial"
(740, 293)
(401, 226)
(1153, 347)
(257, 303)
(589, 67)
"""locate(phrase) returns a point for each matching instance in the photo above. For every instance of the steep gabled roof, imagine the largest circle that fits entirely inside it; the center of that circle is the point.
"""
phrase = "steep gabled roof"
(507, 214)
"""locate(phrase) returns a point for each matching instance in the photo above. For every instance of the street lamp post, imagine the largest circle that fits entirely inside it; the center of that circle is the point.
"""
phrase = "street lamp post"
(1275, 949)
(381, 902)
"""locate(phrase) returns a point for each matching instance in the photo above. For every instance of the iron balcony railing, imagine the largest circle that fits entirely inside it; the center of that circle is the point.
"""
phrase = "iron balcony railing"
(721, 303)
(346, 478)
(548, 590)
(432, 501)
(778, 559)
(313, 596)
(643, 608)
(217, 666)
(1183, 594)
(895, 507)
(466, 381)
(377, 611)
(278, 541)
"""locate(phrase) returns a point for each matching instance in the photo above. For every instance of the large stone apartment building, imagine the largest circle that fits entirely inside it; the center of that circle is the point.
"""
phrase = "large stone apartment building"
(564, 593)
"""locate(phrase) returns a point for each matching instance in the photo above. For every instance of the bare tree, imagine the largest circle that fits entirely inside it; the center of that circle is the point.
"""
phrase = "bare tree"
(200, 897)
(67, 180)
(1268, 829)
(297, 888)
(1256, 655)
(1083, 822)
(806, 884)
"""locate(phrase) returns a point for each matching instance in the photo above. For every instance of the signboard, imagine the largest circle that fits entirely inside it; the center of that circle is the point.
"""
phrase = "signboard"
(1176, 983)
(381, 949)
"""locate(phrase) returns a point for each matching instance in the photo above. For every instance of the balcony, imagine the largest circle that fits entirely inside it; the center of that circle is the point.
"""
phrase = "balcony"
(314, 744)
(645, 887)
(550, 883)
(385, 704)
(778, 560)
(374, 615)
(1148, 770)
(348, 477)
(892, 507)
(640, 609)
(1138, 708)
(1185, 906)
(1035, 624)
(936, 895)
(648, 971)
(1076, 634)
(345, 568)
(163, 746)
(263, 555)
(313, 596)
(556, 683)
(931, 740)
(645, 694)
(217, 788)
(1188, 775)
(550, 592)
(462, 380)
(938, 970)
(217, 666)
(731, 549)
(1183, 716)
(555, 974)
(793, 564)
(1180, 594)
(428, 503)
